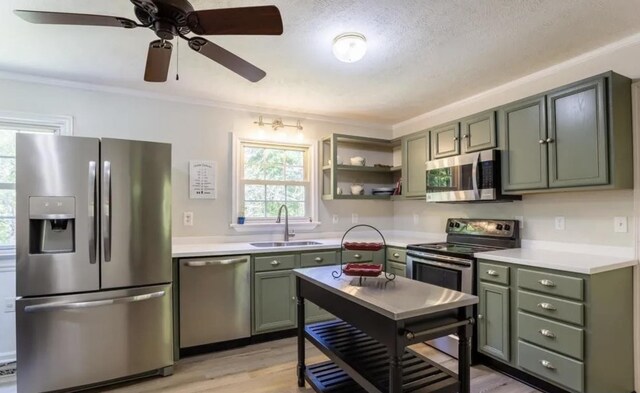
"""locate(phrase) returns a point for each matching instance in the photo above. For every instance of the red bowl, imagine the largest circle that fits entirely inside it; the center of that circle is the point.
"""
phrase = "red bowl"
(362, 269)
(363, 246)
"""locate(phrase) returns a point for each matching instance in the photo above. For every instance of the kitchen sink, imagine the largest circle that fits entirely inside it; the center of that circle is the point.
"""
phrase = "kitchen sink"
(285, 244)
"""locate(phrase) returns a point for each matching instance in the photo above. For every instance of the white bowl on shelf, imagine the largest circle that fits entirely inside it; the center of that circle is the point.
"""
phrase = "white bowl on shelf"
(359, 161)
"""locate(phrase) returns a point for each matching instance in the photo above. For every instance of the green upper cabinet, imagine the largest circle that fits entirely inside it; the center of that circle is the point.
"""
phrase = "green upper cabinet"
(415, 149)
(524, 158)
(479, 132)
(577, 137)
(445, 141)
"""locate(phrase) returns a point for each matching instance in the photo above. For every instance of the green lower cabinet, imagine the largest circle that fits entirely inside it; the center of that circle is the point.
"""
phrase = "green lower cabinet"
(314, 313)
(494, 321)
(274, 298)
(399, 269)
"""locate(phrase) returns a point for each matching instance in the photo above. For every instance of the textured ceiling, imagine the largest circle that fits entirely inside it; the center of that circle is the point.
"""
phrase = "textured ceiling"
(422, 54)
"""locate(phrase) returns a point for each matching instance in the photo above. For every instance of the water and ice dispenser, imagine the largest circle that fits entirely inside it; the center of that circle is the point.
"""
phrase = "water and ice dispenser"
(52, 225)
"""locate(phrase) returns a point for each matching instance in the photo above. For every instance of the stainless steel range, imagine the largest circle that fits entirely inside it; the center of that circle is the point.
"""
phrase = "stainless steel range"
(452, 265)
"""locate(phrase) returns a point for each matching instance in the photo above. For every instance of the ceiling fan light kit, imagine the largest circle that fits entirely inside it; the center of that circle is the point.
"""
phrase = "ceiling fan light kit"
(349, 47)
(177, 18)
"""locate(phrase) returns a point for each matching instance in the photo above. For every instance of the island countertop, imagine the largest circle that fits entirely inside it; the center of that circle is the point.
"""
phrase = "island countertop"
(399, 299)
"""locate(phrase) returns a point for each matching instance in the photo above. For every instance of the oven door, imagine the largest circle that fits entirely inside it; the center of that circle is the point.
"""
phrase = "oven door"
(468, 177)
(447, 272)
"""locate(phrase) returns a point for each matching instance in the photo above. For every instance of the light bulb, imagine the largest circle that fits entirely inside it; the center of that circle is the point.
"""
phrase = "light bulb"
(349, 47)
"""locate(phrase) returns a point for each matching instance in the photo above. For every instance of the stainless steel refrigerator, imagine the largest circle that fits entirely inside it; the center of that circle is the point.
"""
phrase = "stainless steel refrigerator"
(93, 246)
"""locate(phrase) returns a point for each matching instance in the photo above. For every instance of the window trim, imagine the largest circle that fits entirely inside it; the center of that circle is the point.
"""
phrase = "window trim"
(268, 225)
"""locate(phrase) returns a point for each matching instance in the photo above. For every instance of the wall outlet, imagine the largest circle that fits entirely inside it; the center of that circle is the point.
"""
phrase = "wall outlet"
(335, 219)
(354, 218)
(9, 305)
(559, 223)
(520, 220)
(416, 219)
(187, 219)
(620, 224)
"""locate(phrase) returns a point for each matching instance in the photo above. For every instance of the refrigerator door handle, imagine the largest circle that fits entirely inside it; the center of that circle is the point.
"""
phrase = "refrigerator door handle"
(106, 219)
(94, 303)
(92, 212)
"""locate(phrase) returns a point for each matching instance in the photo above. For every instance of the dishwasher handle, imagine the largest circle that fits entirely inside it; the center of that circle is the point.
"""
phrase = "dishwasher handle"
(216, 262)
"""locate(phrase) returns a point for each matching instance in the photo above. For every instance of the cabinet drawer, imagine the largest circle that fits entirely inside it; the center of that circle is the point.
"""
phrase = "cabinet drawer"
(494, 273)
(397, 255)
(399, 269)
(318, 259)
(556, 336)
(349, 256)
(551, 307)
(553, 367)
(275, 262)
(553, 284)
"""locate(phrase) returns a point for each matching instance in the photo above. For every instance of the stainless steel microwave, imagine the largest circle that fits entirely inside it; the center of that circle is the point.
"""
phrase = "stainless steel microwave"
(473, 177)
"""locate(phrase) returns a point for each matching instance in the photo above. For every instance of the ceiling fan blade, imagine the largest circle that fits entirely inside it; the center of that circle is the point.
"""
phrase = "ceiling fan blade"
(227, 59)
(63, 18)
(262, 20)
(158, 59)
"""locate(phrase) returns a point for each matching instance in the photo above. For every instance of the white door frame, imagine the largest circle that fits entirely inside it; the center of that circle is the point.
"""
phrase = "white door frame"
(635, 99)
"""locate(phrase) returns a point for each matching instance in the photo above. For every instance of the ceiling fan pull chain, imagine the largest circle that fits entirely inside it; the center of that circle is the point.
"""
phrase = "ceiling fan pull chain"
(177, 60)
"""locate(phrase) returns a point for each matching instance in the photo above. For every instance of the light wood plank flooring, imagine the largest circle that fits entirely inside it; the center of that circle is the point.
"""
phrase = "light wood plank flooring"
(270, 368)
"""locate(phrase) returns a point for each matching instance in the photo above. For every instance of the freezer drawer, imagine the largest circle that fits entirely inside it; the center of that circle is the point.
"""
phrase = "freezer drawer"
(215, 300)
(75, 340)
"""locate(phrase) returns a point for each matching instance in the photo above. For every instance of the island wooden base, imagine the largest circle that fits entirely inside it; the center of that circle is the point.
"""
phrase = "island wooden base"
(352, 352)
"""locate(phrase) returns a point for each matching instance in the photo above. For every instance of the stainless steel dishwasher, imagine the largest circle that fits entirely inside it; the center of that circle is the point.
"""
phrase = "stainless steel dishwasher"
(215, 300)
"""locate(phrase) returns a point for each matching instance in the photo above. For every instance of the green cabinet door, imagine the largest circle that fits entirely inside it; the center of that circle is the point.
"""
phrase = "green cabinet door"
(493, 325)
(415, 149)
(524, 157)
(479, 132)
(445, 141)
(399, 269)
(578, 136)
(274, 299)
(313, 313)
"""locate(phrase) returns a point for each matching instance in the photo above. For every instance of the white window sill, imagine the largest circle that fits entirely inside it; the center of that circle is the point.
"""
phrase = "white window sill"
(267, 227)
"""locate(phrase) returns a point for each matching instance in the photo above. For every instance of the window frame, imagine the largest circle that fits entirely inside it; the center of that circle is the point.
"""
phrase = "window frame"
(20, 121)
(238, 182)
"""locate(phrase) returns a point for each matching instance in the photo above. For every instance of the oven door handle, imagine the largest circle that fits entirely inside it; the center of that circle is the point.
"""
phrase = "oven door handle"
(445, 264)
(475, 174)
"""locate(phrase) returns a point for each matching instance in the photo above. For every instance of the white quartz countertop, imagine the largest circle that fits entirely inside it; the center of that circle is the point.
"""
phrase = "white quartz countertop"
(205, 249)
(559, 260)
(399, 299)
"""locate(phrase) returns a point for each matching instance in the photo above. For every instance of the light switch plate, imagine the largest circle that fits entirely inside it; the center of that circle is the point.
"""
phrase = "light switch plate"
(620, 224)
(335, 219)
(187, 219)
(416, 219)
(354, 218)
(559, 223)
(9, 305)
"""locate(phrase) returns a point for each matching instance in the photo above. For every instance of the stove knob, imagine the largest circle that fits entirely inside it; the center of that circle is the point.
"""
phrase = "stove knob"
(507, 227)
(499, 227)
(451, 224)
(457, 225)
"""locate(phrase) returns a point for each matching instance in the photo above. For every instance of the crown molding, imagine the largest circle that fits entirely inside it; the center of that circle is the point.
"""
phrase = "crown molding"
(268, 111)
(538, 75)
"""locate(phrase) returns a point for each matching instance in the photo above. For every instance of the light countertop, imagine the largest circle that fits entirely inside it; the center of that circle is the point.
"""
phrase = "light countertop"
(205, 249)
(399, 299)
(559, 260)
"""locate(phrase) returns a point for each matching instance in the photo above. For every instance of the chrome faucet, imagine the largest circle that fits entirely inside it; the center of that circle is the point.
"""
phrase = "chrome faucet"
(287, 235)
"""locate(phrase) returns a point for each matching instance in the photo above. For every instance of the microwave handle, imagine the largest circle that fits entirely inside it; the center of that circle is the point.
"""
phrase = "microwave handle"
(475, 174)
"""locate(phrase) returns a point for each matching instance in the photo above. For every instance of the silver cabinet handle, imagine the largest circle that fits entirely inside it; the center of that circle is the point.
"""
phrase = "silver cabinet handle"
(357, 256)
(547, 364)
(547, 333)
(94, 303)
(216, 262)
(106, 222)
(542, 141)
(547, 283)
(465, 136)
(92, 213)
(549, 140)
(480, 316)
(547, 306)
(396, 255)
(455, 138)
(318, 259)
(275, 262)
(492, 273)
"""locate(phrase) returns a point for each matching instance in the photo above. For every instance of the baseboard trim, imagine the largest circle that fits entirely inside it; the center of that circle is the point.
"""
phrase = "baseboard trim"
(519, 375)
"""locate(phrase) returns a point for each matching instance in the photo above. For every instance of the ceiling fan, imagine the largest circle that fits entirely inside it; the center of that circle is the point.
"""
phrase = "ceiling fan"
(177, 18)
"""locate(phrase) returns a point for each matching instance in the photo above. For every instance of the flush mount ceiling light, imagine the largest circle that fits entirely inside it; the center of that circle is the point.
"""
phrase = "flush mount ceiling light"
(349, 47)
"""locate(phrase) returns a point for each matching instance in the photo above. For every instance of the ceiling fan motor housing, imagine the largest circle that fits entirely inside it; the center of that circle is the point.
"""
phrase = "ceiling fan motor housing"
(167, 18)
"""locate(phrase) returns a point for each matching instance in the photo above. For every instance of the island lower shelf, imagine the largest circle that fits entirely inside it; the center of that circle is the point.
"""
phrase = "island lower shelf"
(358, 363)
